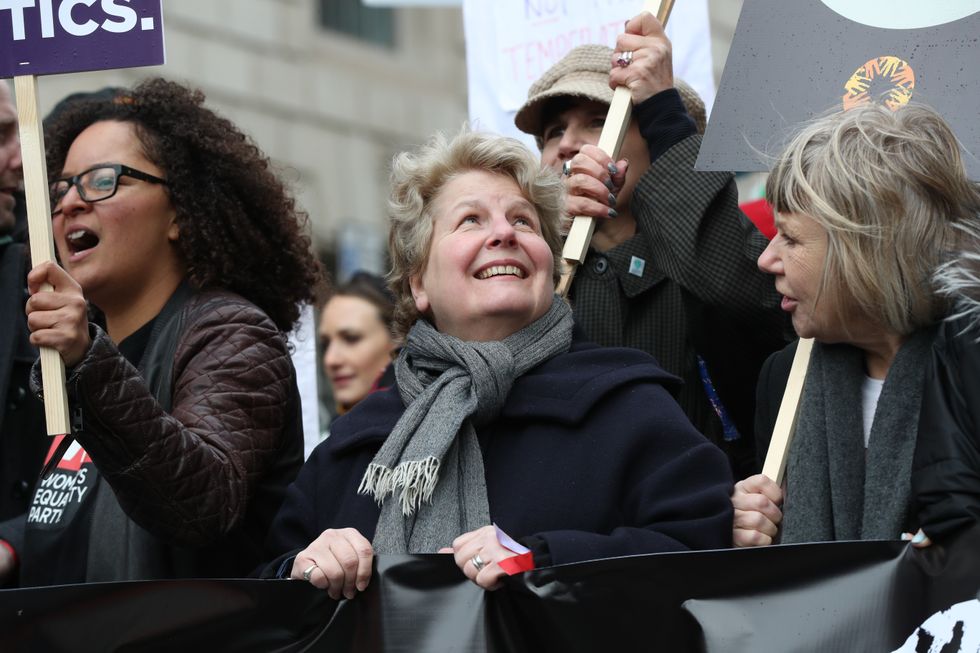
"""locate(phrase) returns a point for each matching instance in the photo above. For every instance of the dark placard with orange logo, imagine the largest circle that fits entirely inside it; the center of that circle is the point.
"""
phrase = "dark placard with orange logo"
(792, 60)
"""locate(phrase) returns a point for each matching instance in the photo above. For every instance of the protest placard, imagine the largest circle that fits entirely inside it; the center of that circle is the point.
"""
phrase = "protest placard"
(792, 60)
(511, 43)
(43, 37)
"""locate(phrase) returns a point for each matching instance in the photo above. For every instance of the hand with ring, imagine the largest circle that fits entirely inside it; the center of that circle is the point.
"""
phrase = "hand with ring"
(477, 554)
(308, 572)
(338, 561)
(593, 183)
(478, 563)
(642, 61)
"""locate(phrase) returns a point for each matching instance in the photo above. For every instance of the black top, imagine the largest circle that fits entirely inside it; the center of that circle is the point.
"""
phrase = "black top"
(62, 503)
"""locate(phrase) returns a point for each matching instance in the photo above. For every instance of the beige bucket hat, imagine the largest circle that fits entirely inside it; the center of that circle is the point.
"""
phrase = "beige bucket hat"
(584, 73)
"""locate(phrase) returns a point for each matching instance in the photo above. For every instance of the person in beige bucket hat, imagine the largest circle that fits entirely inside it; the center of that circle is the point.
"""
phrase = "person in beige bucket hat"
(671, 269)
(584, 73)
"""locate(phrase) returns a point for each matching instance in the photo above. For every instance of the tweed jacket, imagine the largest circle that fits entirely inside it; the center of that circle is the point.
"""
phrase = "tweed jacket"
(590, 455)
(193, 450)
(697, 291)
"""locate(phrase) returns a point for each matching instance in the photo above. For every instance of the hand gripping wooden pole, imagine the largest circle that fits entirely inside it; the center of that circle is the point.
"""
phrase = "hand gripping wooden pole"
(782, 434)
(42, 240)
(610, 141)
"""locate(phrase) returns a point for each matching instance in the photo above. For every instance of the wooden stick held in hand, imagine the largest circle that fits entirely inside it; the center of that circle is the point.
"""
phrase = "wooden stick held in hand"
(41, 239)
(785, 429)
(610, 141)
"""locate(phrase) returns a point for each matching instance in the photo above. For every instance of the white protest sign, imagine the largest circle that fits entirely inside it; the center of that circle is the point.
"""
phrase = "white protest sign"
(510, 43)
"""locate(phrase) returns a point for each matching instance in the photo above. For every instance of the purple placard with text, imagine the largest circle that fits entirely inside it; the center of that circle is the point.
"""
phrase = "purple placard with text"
(42, 37)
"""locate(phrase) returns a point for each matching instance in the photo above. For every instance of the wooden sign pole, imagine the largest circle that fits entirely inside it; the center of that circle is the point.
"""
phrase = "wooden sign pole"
(41, 239)
(782, 434)
(610, 141)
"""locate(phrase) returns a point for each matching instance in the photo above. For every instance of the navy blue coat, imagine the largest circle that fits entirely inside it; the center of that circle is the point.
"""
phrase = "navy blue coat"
(590, 455)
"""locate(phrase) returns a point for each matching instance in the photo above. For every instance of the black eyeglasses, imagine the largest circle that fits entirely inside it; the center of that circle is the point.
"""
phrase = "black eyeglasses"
(97, 184)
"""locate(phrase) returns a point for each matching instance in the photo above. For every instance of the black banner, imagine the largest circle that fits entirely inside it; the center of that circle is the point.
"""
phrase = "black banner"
(860, 596)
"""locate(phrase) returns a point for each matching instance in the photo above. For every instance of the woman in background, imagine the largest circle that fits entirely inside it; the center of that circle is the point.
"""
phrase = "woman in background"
(357, 340)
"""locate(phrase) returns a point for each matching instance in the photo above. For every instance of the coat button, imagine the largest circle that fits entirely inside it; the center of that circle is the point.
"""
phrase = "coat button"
(600, 265)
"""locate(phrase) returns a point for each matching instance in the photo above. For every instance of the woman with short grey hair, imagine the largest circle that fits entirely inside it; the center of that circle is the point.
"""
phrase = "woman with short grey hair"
(502, 423)
(418, 177)
(869, 203)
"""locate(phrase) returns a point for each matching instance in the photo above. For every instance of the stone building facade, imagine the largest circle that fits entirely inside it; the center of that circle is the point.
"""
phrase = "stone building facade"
(329, 108)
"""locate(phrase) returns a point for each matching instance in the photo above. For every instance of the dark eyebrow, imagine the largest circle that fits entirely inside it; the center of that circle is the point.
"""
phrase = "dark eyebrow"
(103, 164)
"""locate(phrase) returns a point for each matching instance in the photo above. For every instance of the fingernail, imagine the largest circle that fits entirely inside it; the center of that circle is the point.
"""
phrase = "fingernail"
(609, 184)
(612, 199)
(906, 537)
(361, 586)
(349, 594)
(919, 538)
(613, 170)
(613, 214)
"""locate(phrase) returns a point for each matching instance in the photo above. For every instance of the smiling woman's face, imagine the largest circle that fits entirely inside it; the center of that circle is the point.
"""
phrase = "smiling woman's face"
(489, 271)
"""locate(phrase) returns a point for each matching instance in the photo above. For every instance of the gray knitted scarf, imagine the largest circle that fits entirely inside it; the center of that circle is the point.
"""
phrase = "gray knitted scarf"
(837, 490)
(432, 459)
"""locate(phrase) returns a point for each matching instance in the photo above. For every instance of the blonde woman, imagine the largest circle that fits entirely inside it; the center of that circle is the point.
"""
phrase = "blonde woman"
(869, 203)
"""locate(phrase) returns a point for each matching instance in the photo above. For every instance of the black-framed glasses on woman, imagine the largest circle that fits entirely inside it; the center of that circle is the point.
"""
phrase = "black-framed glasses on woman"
(97, 184)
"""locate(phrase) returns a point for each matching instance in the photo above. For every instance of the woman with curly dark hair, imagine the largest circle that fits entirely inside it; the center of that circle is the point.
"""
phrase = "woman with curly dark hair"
(170, 222)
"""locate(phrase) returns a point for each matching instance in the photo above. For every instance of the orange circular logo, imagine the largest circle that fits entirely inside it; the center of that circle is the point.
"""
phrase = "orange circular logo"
(888, 80)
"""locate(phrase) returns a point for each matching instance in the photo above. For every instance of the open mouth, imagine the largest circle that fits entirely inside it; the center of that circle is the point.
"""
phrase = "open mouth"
(80, 240)
(501, 270)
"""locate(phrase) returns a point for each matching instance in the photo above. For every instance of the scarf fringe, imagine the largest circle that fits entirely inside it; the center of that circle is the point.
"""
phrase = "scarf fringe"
(417, 480)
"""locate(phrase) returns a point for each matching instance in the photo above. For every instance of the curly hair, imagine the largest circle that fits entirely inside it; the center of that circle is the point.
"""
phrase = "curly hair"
(418, 177)
(891, 191)
(239, 227)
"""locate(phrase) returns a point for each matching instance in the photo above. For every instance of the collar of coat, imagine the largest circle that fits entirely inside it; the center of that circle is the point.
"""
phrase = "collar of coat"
(561, 390)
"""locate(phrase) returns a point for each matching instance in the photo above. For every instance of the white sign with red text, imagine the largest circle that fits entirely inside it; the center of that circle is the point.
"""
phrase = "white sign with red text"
(510, 43)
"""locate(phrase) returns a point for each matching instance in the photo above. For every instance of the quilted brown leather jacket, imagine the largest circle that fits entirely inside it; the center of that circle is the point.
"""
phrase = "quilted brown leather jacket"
(198, 445)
